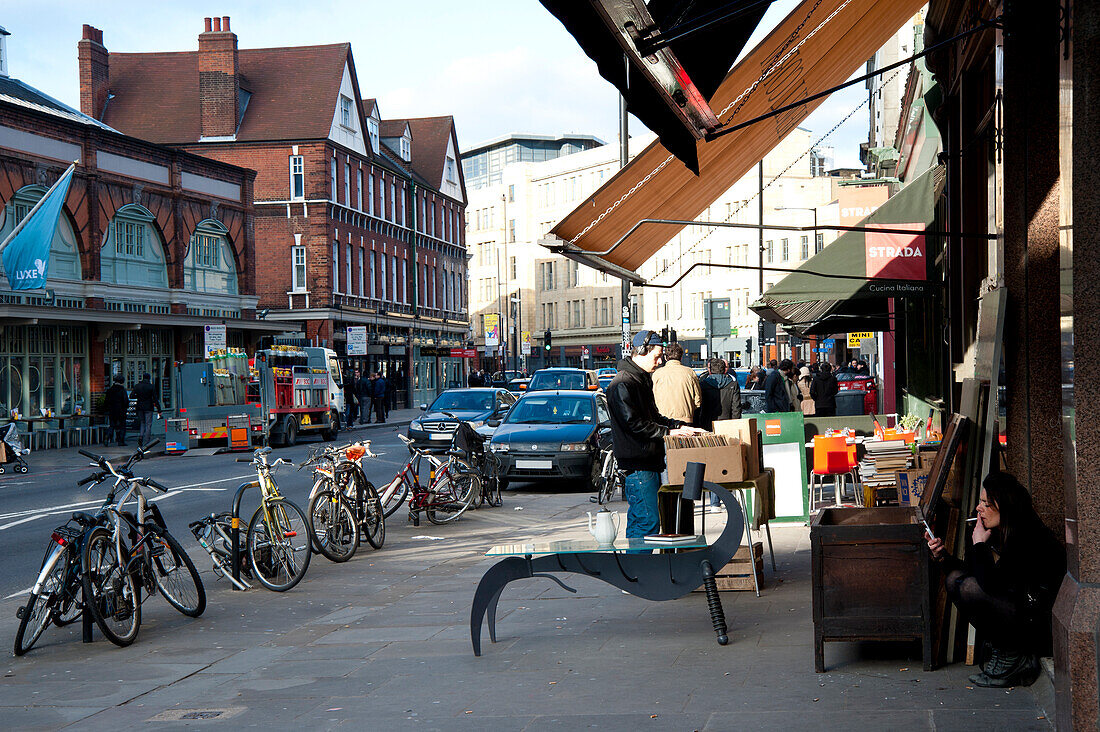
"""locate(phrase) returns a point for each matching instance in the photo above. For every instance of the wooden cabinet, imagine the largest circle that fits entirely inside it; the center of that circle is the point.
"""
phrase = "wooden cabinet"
(870, 578)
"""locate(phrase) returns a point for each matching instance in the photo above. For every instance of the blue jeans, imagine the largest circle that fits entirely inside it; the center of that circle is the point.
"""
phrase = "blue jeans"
(641, 493)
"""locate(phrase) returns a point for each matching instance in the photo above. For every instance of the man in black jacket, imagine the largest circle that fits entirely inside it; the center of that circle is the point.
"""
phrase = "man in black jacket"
(638, 431)
(378, 396)
(146, 397)
(777, 398)
(364, 389)
(116, 403)
(823, 390)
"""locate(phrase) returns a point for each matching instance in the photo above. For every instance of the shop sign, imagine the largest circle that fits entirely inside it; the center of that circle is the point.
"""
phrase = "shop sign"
(773, 427)
(397, 350)
(213, 338)
(374, 350)
(602, 350)
(357, 340)
(854, 339)
(463, 353)
(896, 256)
(492, 329)
(525, 342)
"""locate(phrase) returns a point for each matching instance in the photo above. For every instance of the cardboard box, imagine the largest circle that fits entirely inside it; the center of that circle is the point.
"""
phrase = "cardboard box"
(911, 484)
(724, 464)
(747, 431)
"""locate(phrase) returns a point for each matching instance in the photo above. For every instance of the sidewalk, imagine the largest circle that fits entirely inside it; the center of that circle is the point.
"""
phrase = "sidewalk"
(382, 642)
(395, 418)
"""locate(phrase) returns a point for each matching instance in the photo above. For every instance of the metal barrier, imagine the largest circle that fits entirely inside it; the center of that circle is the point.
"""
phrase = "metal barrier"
(235, 529)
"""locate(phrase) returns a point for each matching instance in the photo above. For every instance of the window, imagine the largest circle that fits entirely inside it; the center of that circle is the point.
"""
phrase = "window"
(403, 189)
(512, 268)
(361, 293)
(335, 266)
(406, 149)
(298, 265)
(603, 310)
(819, 243)
(370, 193)
(345, 111)
(333, 177)
(404, 278)
(129, 238)
(207, 250)
(373, 264)
(576, 273)
(511, 230)
(449, 170)
(786, 248)
(805, 251)
(359, 189)
(771, 251)
(511, 193)
(347, 183)
(384, 278)
(372, 132)
(347, 269)
(393, 200)
(297, 178)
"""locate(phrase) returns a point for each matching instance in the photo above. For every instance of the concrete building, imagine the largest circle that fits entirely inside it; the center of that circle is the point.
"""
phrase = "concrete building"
(484, 164)
(885, 92)
(359, 219)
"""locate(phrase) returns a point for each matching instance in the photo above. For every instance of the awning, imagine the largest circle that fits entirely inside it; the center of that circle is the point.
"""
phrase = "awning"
(666, 57)
(816, 47)
(845, 286)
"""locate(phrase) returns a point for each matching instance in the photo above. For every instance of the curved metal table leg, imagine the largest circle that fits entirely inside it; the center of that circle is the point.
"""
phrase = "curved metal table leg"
(488, 592)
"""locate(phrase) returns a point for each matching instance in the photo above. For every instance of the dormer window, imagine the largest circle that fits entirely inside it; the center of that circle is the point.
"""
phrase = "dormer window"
(406, 148)
(449, 170)
(372, 132)
(345, 112)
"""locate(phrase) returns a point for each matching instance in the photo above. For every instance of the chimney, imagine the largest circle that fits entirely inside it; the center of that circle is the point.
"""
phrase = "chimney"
(219, 82)
(91, 58)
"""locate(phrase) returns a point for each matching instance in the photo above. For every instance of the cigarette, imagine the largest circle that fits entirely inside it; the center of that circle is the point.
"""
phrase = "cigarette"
(971, 520)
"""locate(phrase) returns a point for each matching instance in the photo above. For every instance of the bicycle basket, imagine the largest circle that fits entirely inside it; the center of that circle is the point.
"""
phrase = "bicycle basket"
(468, 441)
(356, 451)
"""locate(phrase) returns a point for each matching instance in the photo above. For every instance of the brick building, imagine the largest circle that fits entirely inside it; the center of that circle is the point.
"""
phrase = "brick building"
(359, 220)
(152, 244)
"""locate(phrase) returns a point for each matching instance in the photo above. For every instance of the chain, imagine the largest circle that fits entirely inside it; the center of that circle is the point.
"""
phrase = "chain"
(781, 173)
(744, 95)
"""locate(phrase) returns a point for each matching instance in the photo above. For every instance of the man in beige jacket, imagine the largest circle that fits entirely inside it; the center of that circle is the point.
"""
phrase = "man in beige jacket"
(676, 387)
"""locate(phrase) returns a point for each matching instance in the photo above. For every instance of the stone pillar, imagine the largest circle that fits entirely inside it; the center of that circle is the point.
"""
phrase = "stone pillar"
(1031, 205)
(1077, 610)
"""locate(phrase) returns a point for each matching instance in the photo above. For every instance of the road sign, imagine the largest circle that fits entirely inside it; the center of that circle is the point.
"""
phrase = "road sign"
(525, 342)
(585, 353)
(357, 340)
(733, 331)
(829, 342)
(213, 338)
(854, 339)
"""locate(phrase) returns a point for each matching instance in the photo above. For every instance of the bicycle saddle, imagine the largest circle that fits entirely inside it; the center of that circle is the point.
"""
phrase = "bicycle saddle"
(84, 519)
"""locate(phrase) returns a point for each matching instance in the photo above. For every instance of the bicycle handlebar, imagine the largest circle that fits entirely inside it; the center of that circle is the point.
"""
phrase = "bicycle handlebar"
(155, 485)
(93, 478)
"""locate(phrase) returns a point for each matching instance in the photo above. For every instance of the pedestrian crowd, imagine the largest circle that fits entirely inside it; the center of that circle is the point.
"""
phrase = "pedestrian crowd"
(367, 395)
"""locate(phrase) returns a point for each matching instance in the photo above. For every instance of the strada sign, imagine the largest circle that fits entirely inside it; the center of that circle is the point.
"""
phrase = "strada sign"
(895, 256)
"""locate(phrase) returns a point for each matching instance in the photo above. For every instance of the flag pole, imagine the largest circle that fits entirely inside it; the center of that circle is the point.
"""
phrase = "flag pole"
(30, 214)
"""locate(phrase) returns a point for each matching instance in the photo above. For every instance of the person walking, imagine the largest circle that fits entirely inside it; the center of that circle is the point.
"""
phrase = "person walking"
(116, 403)
(364, 391)
(776, 396)
(721, 394)
(676, 387)
(805, 379)
(638, 430)
(823, 390)
(351, 408)
(147, 403)
(378, 395)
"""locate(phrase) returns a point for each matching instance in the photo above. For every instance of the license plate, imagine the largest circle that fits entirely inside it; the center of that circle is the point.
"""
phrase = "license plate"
(535, 464)
(440, 436)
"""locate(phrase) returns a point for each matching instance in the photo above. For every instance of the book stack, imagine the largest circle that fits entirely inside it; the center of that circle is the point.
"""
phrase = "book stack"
(883, 460)
(707, 439)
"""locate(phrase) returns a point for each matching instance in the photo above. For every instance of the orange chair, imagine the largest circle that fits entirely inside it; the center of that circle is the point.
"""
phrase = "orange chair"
(833, 457)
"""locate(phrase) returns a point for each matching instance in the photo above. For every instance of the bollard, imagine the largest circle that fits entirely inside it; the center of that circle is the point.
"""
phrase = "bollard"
(235, 529)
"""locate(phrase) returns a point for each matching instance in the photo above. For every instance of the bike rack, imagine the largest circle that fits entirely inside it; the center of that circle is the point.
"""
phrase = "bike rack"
(235, 530)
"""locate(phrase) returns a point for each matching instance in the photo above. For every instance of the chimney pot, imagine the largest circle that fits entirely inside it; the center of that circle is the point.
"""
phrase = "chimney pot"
(225, 23)
(89, 32)
(206, 22)
(217, 25)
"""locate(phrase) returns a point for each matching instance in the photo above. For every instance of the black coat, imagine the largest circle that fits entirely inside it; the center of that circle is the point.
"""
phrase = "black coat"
(379, 387)
(721, 398)
(146, 396)
(116, 401)
(637, 428)
(776, 396)
(823, 390)
(364, 389)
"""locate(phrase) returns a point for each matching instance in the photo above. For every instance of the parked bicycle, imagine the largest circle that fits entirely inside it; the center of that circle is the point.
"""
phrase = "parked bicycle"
(278, 541)
(468, 455)
(214, 534)
(608, 479)
(344, 506)
(447, 495)
(127, 551)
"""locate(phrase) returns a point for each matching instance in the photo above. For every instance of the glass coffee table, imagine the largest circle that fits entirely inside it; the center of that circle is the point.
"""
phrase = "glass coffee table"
(651, 570)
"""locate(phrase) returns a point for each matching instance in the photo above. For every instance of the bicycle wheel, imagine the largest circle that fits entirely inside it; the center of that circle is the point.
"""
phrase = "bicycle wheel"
(41, 607)
(450, 496)
(110, 593)
(373, 526)
(278, 551)
(69, 607)
(335, 533)
(396, 498)
(491, 490)
(174, 573)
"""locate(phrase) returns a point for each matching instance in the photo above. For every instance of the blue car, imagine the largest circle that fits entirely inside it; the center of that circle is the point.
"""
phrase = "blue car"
(553, 434)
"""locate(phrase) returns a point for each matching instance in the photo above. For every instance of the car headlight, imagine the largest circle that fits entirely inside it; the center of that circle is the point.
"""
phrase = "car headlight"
(477, 423)
(415, 424)
(574, 447)
(499, 447)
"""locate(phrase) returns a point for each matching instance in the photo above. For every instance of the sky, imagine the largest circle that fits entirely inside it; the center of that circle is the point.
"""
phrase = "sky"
(498, 66)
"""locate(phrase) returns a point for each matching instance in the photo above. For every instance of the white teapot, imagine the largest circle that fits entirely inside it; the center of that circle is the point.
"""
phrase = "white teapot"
(605, 528)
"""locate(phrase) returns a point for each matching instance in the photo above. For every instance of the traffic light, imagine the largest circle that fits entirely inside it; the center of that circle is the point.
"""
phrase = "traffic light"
(664, 335)
(748, 345)
(672, 334)
(547, 337)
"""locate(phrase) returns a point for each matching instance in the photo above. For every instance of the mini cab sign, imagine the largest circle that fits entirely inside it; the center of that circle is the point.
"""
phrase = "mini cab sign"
(854, 339)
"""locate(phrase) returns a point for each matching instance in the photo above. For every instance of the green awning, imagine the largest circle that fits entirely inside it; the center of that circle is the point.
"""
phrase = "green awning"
(845, 286)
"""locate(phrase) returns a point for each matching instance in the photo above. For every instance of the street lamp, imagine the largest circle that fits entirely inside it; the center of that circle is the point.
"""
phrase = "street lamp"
(516, 314)
(814, 212)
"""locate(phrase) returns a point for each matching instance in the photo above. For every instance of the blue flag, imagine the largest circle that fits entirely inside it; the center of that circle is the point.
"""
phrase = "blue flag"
(26, 253)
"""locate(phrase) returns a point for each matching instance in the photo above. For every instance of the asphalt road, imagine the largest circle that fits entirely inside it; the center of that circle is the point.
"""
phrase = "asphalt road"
(32, 504)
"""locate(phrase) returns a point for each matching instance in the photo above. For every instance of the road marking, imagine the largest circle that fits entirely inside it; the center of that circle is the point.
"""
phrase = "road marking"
(21, 592)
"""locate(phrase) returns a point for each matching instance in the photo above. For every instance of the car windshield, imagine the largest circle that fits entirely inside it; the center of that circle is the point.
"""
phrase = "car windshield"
(470, 401)
(558, 380)
(552, 410)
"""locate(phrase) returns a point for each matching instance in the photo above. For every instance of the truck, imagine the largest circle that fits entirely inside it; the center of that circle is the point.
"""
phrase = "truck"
(236, 402)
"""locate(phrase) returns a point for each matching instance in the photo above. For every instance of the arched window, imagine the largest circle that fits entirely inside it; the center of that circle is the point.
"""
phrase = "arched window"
(208, 266)
(133, 253)
(64, 259)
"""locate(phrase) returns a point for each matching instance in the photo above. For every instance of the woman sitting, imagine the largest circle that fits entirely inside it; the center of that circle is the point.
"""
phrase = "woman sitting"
(1007, 585)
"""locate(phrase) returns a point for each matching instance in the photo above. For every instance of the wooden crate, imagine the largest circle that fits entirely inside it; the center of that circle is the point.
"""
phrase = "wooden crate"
(737, 574)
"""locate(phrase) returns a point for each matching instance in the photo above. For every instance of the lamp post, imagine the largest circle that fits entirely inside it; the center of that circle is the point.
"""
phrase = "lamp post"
(516, 320)
(813, 210)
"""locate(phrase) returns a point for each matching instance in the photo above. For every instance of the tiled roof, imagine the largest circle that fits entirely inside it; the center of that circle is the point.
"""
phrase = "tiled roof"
(368, 106)
(294, 91)
(429, 151)
(16, 92)
(392, 127)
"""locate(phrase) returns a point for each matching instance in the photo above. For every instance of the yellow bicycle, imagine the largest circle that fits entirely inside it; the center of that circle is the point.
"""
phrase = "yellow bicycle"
(278, 541)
